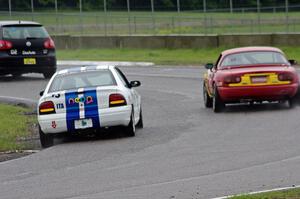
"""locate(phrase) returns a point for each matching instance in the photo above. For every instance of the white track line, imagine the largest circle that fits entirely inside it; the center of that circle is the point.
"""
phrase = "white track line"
(258, 192)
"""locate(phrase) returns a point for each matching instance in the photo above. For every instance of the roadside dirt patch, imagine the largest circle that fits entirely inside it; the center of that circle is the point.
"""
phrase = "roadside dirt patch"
(9, 155)
(31, 142)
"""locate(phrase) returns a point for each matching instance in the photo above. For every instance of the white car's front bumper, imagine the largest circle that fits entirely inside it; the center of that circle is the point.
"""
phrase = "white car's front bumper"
(57, 123)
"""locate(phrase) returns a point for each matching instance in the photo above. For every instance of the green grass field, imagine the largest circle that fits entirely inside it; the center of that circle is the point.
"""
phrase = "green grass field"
(14, 126)
(286, 194)
(158, 56)
(161, 22)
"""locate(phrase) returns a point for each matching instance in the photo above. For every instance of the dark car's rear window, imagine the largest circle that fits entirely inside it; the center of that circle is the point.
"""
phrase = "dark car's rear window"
(24, 32)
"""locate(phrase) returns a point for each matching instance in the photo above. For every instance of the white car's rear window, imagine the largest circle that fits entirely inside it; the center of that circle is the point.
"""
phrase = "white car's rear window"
(256, 57)
(82, 80)
(24, 32)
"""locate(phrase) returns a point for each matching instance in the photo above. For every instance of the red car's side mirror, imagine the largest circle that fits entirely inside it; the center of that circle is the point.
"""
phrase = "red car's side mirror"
(293, 62)
(209, 66)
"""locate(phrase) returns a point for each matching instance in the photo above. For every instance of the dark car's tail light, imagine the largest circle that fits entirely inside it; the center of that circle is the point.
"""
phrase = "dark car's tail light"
(46, 108)
(233, 79)
(49, 44)
(5, 45)
(116, 100)
(285, 77)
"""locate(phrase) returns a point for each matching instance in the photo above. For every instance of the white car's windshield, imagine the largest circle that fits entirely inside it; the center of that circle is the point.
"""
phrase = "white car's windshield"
(253, 58)
(82, 80)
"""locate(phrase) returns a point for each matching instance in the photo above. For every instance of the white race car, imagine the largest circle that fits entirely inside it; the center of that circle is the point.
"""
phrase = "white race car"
(87, 99)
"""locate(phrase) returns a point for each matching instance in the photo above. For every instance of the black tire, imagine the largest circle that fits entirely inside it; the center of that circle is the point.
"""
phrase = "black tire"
(208, 101)
(291, 103)
(46, 139)
(16, 75)
(218, 105)
(49, 73)
(130, 129)
(140, 124)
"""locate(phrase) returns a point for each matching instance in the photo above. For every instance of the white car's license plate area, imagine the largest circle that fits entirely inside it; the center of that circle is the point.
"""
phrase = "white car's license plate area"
(83, 123)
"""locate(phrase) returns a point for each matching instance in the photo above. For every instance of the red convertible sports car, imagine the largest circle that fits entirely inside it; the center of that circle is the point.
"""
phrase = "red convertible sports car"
(250, 74)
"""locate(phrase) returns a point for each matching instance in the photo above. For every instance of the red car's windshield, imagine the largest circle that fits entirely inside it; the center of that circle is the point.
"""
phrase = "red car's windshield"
(253, 58)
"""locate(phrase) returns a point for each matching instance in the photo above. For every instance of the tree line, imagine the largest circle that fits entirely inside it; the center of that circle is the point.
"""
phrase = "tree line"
(142, 4)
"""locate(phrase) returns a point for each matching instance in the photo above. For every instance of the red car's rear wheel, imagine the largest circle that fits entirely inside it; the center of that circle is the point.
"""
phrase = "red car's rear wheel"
(218, 105)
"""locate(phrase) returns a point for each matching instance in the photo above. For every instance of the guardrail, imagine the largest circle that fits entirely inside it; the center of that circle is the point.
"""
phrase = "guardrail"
(176, 41)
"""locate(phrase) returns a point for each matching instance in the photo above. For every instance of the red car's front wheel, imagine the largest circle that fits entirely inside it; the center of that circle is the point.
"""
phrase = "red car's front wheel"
(208, 102)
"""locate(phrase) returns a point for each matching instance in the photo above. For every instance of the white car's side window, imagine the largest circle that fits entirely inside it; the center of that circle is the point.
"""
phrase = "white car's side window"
(122, 78)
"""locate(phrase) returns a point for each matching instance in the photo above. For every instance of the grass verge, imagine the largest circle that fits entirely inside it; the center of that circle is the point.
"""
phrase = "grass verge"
(285, 194)
(158, 56)
(15, 127)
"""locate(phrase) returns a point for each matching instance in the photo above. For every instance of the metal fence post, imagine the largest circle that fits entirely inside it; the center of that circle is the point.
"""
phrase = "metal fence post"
(153, 19)
(231, 6)
(128, 10)
(80, 17)
(32, 10)
(204, 10)
(258, 15)
(178, 6)
(9, 7)
(134, 21)
(287, 14)
(211, 25)
(179, 21)
(173, 24)
(105, 17)
(56, 16)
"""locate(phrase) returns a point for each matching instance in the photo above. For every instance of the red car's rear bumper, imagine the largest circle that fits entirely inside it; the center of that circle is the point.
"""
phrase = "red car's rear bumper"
(276, 92)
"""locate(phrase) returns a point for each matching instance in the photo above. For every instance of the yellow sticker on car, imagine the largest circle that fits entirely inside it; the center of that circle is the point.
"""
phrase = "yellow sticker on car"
(29, 61)
(259, 79)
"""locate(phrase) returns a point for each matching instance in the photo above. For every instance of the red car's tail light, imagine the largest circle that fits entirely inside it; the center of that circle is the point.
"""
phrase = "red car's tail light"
(232, 79)
(285, 77)
(5, 45)
(49, 44)
(116, 100)
(46, 108)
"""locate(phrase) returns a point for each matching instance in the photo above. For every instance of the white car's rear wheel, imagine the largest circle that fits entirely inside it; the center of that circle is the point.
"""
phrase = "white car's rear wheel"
(130, 129)
(140, 124)
(46, 139)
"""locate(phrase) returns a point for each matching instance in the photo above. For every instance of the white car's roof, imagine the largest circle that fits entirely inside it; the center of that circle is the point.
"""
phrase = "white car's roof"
(84, 69)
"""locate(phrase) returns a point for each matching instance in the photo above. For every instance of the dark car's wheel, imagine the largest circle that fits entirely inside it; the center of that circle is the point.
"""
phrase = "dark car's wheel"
(208, 101)
(48, 74)
(140, 124)
(130, 129)
(46, 139)
(218, 105)
(16, 75)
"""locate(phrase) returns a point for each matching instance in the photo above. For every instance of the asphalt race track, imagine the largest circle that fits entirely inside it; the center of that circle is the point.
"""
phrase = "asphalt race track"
(184, 151)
